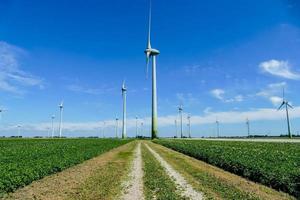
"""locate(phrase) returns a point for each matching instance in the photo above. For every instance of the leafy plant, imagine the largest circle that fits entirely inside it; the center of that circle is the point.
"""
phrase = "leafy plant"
(276, 165)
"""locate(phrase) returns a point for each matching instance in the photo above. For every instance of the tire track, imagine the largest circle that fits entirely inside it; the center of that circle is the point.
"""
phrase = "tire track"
(134, 187)
(185, 189)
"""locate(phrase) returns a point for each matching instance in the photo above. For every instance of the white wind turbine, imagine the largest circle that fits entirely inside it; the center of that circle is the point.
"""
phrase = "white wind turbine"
(189, 125)
(61, 107)
(124, 92)
(1, 112)
(180, 110)
(117, 127)
(52, 121)
(152, 53)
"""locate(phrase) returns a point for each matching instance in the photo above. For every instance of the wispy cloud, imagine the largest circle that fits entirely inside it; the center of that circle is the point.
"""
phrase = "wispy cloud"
(219, 94)
(271, 92)
(279, 68)
(12, 78)
(187, 99)
(228, 117)
(92, 91)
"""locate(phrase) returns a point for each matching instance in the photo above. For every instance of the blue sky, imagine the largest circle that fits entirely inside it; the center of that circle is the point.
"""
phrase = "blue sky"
(220, 59)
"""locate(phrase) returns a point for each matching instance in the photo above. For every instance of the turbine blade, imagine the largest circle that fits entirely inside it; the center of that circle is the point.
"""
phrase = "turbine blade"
(282, 104)
(149, 28)
(289, 105)
(147, 63)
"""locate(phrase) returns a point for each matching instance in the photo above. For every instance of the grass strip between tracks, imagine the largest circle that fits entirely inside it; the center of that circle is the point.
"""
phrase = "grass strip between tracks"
(157, 184)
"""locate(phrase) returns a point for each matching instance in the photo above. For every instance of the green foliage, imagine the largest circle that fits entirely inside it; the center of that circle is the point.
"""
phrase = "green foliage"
(276, 165)
(25, 160)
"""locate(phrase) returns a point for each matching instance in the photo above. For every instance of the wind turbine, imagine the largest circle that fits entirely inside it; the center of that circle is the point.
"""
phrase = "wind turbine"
(52, 118)
(248, 127)
(287, 106)
(189, 125)
(103, 130)
(218, 127)
(152, 53)
(1, 111)
(19, 130)
(176, 128)
(117, 127)
(124, 92)
(61, 107)
(180, 109)
(142, 129)
(136, 126)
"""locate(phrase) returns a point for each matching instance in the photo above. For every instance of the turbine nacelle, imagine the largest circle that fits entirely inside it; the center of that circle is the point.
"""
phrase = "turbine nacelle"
(151, 52)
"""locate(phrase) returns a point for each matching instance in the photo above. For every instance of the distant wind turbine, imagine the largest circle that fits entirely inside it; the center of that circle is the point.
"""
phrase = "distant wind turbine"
(180, 109)
(61, 107)
(287, 106)
(136, 126)
(248, 126)
(1, 112)
(19, 130)
(117, 127)
(152, 53)
(52, 118)
(218, 127)
(189, 125)
(176, 128)
(142, 129)
(124, 91)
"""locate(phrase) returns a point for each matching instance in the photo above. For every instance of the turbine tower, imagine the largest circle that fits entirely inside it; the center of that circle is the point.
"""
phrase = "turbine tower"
(19, 130)
(189, 125)
(176, 128)
(287, 106)
(248, 127)
(52, 118)
(61, 107)
(124, 91)
(218, 127)
(180, 109)
(151, 53)
(1, 111)
(136, 126)
(117, 127)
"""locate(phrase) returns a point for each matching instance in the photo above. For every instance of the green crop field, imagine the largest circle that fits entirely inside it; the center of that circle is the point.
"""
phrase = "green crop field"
(25, 160)
(273, 164)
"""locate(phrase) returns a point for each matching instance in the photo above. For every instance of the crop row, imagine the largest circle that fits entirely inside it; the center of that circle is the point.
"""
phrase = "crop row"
(25, 160)
(276, 165)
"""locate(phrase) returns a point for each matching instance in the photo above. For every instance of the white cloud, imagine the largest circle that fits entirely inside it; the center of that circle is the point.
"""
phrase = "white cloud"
(276, 101)
(218, 93)
(92, 91)
(271, 92)
(279, 68)
(187, 99)
(12, 78)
